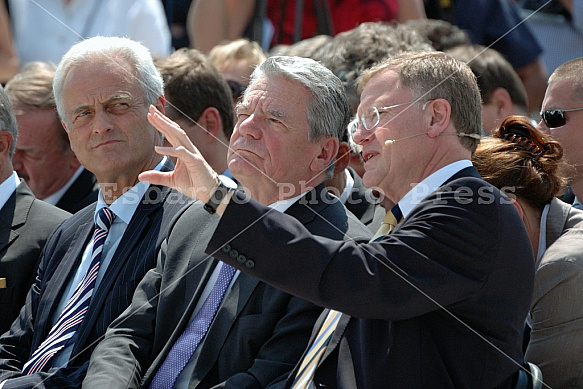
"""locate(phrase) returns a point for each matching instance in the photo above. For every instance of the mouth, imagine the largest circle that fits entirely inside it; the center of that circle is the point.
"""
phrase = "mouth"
(105, 143)
(367, 156)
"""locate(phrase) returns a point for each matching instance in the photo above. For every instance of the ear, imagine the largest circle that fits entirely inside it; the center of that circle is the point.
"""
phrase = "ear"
(502, 101)
(439, 115)
(160, 104)
(342, 157)
(328, 150)
(211, 120)
(6, 140)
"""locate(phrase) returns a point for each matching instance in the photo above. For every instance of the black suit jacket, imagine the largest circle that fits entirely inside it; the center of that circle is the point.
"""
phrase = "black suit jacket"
(439, 303)
(25, 225)
(81, 193)
(135, 255)
(259, 332)
(363, 204)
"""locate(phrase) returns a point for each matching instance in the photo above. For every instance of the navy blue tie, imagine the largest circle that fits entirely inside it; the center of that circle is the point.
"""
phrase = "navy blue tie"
(187, 343)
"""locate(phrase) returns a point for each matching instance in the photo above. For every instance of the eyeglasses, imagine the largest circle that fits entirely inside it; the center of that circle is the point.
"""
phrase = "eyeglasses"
(236, 89)
(372, 116)
(554, 118)
(527, 138)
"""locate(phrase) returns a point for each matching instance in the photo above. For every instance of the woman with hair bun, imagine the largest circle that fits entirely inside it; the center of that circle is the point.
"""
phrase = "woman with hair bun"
(527, 165)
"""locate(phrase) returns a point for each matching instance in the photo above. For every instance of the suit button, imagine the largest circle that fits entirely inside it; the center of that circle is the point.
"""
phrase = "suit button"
(234, 254)
(241, 259)
(250, 264)
(226, 248)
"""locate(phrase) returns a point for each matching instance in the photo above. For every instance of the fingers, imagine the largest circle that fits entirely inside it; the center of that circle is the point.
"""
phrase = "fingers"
(172, 131)
(155, 177)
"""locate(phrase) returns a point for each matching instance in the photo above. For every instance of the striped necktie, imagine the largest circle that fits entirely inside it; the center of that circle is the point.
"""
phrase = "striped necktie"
(312, 358)
(78, 303)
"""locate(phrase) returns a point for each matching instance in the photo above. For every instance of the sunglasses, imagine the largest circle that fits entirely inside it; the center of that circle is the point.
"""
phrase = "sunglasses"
(554, 118)
(525, 138)
(236, 89)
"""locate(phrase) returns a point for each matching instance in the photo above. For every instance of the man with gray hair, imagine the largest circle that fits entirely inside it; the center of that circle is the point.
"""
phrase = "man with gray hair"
(92, 262)
(25, 224)
(286, 136)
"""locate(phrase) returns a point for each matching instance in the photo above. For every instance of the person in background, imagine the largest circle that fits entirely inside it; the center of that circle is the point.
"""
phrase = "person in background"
(8, 59)
(236, 60)
(497, 24)
(503, 93)
(45, 29)
(43, 155)
(276, 22)
(25, 224)
(528, 164)
(562, 118)
(93, 261)
(199, 100)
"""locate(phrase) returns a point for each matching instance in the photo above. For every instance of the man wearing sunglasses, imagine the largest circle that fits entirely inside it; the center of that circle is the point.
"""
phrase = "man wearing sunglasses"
(438, 303)
(562, 117)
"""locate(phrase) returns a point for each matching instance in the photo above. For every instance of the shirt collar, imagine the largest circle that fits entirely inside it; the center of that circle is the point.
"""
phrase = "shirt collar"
(125, 205)
(423, 189)
(8, 187)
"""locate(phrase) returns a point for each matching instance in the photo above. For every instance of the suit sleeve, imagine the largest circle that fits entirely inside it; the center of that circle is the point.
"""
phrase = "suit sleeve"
(121, 359)
(15, 344)
(556, 339)
(408, 273)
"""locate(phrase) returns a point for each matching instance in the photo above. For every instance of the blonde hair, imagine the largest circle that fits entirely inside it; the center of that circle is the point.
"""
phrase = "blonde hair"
(242, 49)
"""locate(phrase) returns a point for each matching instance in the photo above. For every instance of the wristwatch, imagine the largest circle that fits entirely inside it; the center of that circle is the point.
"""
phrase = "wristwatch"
(225, 186)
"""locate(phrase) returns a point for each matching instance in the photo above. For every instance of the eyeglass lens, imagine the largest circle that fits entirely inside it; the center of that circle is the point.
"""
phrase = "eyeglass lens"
(554, 118)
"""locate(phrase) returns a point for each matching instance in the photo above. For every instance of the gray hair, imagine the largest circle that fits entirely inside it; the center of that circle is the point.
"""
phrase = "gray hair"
(115, 51)
(430, 76)
(327, 112)
(7, 119)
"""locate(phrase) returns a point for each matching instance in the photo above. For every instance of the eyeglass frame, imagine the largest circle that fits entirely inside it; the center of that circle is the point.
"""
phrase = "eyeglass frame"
(355, 123)
(543, 115)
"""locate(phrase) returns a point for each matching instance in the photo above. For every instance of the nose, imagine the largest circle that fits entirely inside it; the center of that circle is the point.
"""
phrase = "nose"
(249, 126)
(542, 127)
(102, 123)
(362, 135)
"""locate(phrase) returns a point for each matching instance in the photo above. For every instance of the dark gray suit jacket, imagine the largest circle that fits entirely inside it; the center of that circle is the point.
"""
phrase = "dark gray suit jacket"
(439, 303)
(135, 255)
(556, 339)
(259, 332)
(25, 225)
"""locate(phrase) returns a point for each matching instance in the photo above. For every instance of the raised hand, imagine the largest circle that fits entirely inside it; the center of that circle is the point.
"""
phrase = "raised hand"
(192, 175)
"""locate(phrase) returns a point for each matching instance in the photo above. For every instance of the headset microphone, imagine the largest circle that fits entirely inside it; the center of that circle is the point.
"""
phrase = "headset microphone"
(389, 142)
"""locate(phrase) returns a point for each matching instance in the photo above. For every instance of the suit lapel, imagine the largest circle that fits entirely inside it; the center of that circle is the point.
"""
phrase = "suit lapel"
(14, 214)
(556, 220)
(53, 289)
(131, 238)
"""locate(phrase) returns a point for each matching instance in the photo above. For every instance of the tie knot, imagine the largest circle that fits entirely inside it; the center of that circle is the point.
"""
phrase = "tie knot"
(393, 217)
(104, 218)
